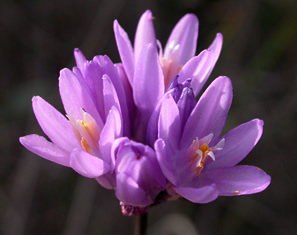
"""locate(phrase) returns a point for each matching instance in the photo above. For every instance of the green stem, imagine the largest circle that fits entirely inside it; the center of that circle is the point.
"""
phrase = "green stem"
(140, 224)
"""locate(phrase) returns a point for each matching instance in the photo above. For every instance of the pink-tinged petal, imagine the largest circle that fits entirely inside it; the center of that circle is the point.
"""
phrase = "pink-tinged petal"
(210, 113)
(88, 165)
(45, 149)
(125, 50)
(198, 69)
(111, 131)
(76, 95)
(169, 126)
(185, 35)
(129, 192)
(148, 85)
(145, 33)
(204, 194)
(54, 124)
(165, 161)
(80, 59)
(238, 143)
(238, 180)
(216, 48)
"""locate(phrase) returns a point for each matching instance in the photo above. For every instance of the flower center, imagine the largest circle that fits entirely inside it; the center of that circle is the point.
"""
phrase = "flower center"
(86, 131)
(200, 153)
(170, 62)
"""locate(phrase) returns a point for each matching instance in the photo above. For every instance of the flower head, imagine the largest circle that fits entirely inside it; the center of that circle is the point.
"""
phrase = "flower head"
(199, 164)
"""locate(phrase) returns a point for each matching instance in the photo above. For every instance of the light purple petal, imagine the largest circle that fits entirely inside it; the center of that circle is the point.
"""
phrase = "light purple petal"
(111, 131)
(110, 95)
(238, 180)
(169, 123)
(216, 48)
(185, 34)
(204, 194)
(210, 113)
(80, 59)
(45, 149)
(148, 85)
(76, 95)
(125, 50)
(129, 192)
(88, 165)
(145, 33)
(54, 124)
(93, 77)
(238, 143)
(111, 71)
(198, 69)
(165, 161)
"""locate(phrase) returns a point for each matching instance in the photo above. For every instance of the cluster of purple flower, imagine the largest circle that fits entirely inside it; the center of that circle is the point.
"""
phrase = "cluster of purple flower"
(137, 128)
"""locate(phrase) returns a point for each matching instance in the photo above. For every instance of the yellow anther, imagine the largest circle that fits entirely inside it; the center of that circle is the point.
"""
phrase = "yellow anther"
(235, 192)
(85, 145)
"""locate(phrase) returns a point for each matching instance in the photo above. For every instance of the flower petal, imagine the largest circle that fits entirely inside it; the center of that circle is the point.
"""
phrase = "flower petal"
(148, 85)
(185, 35)
(216, 48)
(45, 149)
(238, 143)
(198, 69)
(169, 126)
(238, 180)
(145, 33)
(210, 113)
(76, 95)
(129, 192)
(88, 165)
(54, 124)
(111, 131)
(204, 194)
(125, 50)
(80, 59)
(165, 161)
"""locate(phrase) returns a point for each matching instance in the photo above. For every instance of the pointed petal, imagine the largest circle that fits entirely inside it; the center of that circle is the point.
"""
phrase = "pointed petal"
(169, 127)
(238, 180)
(238, 143)
(204, 194)
(80, 59)
(185, 104)
(54, 124)
(210, 113)
(148, 85)
(216, 48)
(145, 33)
(125, 50)
(185, 35)
(198, 69)
(88, 165)
(45, 149)
(76, 95)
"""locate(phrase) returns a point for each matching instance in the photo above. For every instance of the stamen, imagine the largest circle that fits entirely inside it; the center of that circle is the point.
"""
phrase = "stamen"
(85, 145)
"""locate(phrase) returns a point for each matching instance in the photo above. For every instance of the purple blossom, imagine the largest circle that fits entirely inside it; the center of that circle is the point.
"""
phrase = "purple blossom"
(139, 178)
(93, 98)
(199, 164)
(150, 72)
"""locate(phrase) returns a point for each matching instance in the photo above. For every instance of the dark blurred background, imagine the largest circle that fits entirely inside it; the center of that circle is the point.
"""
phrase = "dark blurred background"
(37, 39)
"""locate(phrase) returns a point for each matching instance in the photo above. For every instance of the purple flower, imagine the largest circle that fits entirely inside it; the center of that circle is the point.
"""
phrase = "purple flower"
(93, 99)
(150, 72)
(199, 164)
(139, 178)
